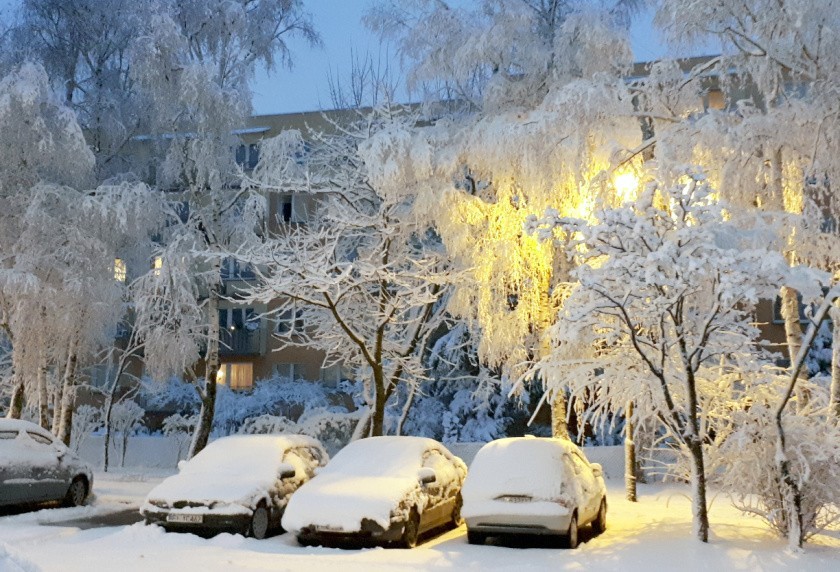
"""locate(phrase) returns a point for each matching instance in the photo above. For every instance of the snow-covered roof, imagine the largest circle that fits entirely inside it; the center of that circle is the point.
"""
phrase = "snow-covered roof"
(246, 454)
(393, 456)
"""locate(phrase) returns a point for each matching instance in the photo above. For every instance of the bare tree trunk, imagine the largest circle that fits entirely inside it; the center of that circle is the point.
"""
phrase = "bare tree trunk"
(16, 405)
(43, 395)
(408, 402)
(834, 393)
(208, 397)
(699, 508)
(559, 421)
(793, 333)
(109, 407)
(56, 416)
(362, 429)
(629, 454)
(377, 427)
(68, 401)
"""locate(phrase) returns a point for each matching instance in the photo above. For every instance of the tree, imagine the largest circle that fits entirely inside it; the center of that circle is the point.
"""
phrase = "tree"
(367, 277)
(195, 66)
(667, 283)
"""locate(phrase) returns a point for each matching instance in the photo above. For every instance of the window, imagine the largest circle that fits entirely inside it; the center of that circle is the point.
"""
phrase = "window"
(247, 156)
(119, 270)
(331, 375)
(236, 375)
(289, 321)
(239, 319)
(291, 371)
(715, 99)
(39, 438)
(232, 269)
(157, 265)
(291, 208)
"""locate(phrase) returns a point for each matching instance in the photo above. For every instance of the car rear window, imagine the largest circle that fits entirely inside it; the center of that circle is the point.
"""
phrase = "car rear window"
(39, 438)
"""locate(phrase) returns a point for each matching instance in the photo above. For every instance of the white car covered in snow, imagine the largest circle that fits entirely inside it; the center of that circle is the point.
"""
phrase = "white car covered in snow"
(379, 490)
(238, 484)
(534, 486)
(35, 467)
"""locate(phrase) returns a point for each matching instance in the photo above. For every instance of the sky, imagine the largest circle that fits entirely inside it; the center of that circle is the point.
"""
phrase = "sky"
(306, 86)
(339, 22)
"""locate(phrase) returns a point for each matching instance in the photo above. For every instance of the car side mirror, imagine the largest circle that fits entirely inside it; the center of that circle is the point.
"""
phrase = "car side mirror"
(597, 469)
(427, 476)
(287, 473)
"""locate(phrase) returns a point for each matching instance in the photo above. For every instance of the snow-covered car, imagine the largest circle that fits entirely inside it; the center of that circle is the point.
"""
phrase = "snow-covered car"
(534, 486)
(379, 490)
(36, 468)
(238, 484)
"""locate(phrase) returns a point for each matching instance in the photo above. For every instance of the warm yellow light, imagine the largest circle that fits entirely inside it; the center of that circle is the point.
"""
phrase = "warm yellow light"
(626, 186)
(220, 375)
(119, 270)
(157, 265)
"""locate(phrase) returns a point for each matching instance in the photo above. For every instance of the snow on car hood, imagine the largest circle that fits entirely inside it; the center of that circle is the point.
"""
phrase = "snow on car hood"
(340, 502)
(232, 470)
(227, 489)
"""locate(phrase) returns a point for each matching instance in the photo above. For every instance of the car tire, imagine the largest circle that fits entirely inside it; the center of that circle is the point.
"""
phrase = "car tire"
(599, 525)
(570, 539)
(258, 528)
(474, 537)
(411, 530)
(76, 492)
(456, 511)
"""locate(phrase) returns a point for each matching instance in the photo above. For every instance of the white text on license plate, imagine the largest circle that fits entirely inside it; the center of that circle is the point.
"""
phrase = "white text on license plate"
(189, 518)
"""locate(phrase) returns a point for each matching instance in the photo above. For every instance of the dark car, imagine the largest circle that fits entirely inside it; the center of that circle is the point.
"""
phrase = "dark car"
(37, 468)
(238, 484)
(379, 490)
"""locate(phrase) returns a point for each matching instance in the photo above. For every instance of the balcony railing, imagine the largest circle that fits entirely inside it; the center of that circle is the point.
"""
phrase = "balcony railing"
(239, 342)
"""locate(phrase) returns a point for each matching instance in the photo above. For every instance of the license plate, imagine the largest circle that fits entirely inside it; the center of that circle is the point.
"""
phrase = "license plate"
(186, 518)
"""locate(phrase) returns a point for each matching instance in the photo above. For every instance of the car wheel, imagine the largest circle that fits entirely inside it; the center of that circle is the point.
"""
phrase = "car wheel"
(456, 511)
(76, 493)
(599, 525)
(259, 522)
(570, 539)
(411, 530)
(474, 537)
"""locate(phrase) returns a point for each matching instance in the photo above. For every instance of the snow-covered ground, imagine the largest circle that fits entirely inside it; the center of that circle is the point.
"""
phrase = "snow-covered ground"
(653, 534)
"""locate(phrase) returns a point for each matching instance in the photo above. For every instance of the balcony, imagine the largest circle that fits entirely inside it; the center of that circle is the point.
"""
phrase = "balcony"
(240, 342)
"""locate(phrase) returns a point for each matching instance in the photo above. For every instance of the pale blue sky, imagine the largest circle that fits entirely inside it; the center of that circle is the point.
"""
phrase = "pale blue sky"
(306, 86)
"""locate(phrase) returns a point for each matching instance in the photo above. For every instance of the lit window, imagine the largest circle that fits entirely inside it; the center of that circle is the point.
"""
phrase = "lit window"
(157, 264)
(236, 375)
(119, 270)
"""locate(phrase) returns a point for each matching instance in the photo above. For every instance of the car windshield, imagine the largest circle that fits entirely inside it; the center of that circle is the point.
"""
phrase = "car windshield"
(380, 456)
(238, 455)
(533, 467)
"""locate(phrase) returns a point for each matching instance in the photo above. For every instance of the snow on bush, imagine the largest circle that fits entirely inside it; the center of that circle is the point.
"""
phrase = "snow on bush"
(86, 420)
(126, 420)
(750, 472)
(180, 428)
(332, 428)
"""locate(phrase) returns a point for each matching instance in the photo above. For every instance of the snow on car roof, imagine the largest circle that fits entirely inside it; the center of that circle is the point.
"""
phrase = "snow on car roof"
(390, 455)
(260, 454)
(21, 425)
(519, 466)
